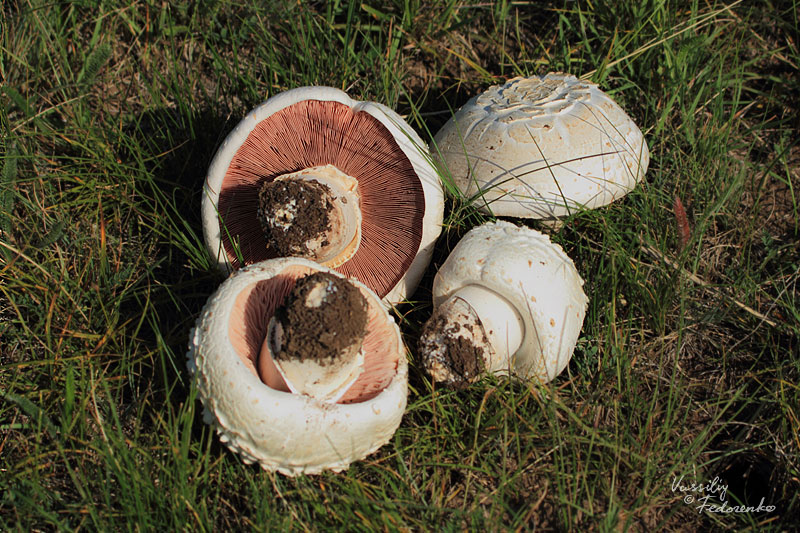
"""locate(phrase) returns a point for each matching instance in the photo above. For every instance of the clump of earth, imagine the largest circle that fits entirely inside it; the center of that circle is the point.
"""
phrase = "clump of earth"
(323, 317)
(295, 216)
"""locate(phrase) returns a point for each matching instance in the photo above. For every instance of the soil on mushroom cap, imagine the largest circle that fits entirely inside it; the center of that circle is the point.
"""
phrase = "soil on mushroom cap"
(323, 331)
(292, 213)
(461, 357)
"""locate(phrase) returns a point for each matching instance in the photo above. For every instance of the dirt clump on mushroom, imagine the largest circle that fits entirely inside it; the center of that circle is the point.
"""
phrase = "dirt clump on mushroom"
(323, 317)
(294, 214)
(460, 360)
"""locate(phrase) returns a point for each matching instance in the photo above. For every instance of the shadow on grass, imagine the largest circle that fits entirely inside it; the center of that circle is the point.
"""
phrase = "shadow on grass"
(173, 148)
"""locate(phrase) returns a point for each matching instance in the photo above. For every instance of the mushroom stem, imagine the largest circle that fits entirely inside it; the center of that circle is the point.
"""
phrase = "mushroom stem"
(474, 331)
(327, 382)
(314, 341)
(313, 213)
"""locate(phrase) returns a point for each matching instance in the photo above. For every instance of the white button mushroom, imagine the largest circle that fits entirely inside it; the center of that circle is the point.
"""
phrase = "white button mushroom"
(334, 417)
(541, 147)
(506, 301)
(313, 173)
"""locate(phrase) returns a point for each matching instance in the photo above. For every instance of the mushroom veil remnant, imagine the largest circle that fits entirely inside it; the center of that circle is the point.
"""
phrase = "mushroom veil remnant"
(543, 146)
(299, 368)
(312, 173)
(506, 301)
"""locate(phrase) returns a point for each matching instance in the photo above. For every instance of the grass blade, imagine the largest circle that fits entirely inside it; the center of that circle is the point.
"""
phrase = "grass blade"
(7, 181)
(97, 58)
(20, 101)
(33, 411)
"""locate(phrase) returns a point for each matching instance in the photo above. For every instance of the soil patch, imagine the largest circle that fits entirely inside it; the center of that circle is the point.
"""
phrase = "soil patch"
(458, 354)
(323, 316)
(293, 213)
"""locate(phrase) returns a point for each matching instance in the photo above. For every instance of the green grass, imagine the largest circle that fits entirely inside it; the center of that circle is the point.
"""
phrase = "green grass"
(688, 362)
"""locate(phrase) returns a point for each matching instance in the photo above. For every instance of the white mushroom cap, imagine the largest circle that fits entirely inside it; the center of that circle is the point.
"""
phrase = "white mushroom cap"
(290, 433)
(539, 281)
(397, 285)
(541, 147)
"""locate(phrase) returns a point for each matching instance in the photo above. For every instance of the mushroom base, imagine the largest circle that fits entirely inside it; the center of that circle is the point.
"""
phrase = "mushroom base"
(314, 213)
(297, 217)
(323, 318)
(454, 345)
(315, 338)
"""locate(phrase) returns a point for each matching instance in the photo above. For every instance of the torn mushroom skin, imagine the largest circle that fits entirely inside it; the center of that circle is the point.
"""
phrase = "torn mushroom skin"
(313, 173)
(507, 301)
(299, 369)
(542, 147)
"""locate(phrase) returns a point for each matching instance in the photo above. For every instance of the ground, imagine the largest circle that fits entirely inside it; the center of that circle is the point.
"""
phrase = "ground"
(687, 366)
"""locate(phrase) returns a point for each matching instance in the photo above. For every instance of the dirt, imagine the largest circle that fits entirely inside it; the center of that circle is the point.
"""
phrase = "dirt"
(292, 213)
(321, 332)
(463, 359)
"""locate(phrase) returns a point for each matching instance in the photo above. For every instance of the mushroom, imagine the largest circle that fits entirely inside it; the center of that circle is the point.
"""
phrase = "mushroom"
(541, 147)
(506, 301)
(255, 338)
(313, 173)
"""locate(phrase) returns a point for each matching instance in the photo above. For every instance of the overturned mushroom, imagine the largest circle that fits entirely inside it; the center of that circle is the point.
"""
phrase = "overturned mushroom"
(506, 301)
(541, 147)
(299, 369)
(312, 173)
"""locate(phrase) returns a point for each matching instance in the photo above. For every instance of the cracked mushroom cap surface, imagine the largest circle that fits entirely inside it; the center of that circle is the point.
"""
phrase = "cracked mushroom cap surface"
(542, 147)
(401, 198)
(536, 276)
(265, 423)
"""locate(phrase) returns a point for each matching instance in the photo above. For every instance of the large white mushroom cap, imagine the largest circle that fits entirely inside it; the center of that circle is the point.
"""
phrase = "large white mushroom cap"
(535, 277)
(542, 147)
(402, 202)
(291, 433)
